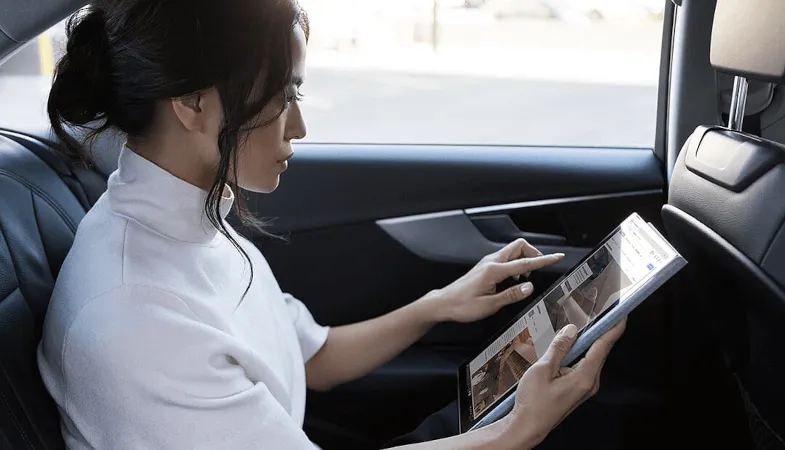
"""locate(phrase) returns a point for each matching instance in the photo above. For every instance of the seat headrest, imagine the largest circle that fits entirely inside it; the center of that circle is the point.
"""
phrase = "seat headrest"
(748, 39)
(104, 150)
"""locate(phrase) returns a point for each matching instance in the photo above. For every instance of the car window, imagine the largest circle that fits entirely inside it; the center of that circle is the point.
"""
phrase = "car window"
(25, 79)
(498, 72)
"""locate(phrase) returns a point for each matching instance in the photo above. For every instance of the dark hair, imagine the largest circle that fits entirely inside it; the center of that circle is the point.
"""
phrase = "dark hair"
(124, 56)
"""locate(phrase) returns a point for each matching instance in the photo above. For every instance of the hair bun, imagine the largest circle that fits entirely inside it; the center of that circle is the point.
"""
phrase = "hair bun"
(81, 89)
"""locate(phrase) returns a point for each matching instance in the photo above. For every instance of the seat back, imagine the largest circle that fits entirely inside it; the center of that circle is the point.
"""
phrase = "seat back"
(39, 214)
(726, 214)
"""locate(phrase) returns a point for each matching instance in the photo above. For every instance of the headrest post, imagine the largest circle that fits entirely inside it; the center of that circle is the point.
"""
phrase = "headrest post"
(738, 103)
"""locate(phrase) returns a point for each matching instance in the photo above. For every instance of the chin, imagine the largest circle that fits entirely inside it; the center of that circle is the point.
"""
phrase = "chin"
(263, 186)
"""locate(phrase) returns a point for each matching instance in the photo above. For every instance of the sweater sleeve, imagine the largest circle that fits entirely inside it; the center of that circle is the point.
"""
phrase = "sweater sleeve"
(311, 335)
(150, 374)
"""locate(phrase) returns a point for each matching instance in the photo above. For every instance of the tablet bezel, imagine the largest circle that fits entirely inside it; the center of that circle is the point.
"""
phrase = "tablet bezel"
(464, 388)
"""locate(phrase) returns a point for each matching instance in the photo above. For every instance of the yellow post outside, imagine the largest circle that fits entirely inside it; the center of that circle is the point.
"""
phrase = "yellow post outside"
(46, 55)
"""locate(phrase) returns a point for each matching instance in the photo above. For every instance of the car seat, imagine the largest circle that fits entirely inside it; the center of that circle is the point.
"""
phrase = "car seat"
(726, 215)
(42, 201)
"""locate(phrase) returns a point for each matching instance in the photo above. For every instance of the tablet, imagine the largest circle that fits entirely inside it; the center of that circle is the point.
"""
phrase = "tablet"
(628, 265)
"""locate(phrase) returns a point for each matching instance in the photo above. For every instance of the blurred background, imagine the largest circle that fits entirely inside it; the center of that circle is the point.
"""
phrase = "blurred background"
(518, 72)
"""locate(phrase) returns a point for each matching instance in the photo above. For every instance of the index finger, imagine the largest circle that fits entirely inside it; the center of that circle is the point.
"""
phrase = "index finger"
(525, 265)
(599, 350)
(519, 248)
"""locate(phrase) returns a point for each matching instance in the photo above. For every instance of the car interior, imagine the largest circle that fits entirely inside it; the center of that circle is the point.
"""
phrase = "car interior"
(371, 227)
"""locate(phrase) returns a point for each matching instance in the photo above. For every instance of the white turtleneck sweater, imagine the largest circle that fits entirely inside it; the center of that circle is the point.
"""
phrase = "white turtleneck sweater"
(147, 344)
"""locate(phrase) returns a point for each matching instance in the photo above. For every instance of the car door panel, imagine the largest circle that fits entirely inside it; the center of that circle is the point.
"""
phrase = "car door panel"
(329, 185)
(371, 228)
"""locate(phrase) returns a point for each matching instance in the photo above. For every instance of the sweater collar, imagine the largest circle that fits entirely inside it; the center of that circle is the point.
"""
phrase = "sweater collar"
(158, 200)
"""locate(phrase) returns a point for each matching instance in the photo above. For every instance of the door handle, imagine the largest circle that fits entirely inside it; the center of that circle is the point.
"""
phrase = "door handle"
(501, 228)
(453, 238)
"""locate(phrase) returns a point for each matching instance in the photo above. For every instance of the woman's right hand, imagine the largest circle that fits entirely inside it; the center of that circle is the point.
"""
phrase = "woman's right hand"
(548, 393)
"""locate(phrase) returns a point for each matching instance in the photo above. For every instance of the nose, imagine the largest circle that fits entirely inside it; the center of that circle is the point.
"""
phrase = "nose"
(295, 123)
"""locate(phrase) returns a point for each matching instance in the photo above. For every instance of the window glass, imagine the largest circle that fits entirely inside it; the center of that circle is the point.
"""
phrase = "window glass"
(549, 72)
(499, 72)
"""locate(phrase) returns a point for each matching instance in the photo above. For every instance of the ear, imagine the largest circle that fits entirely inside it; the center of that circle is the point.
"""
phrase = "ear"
(190, 111)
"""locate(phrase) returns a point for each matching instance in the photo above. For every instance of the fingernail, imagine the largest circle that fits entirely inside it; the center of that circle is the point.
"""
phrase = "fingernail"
(527, 288)
(559, 255)
(570, 331)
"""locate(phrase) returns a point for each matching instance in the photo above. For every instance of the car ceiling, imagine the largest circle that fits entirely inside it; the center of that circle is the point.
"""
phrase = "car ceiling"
(22, 20)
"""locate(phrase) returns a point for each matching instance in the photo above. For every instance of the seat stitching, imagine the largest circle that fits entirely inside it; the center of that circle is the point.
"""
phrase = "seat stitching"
(34, 190)
(2, 369)
(771, 242)
(43, 196)
(41, 235)
(13, 262)
(5, 400)
(15, 419)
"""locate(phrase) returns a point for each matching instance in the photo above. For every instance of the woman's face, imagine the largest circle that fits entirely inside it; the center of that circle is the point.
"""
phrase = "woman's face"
(265, 154)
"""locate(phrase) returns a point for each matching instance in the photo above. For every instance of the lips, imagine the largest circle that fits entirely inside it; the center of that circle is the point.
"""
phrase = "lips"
(287, 158)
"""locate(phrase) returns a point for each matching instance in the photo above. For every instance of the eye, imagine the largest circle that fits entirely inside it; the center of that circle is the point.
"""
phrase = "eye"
(295, 96)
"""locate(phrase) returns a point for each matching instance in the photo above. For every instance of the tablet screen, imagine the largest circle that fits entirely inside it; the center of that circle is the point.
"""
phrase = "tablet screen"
(601, 280)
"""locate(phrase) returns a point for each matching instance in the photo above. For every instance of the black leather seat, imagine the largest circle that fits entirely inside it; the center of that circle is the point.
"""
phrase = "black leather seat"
(726, 214)
(41, 204)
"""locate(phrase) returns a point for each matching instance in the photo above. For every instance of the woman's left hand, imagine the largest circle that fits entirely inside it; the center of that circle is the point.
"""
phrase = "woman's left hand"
(473, 296)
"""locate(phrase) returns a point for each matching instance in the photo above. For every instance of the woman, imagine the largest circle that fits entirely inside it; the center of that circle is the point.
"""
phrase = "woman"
(167, 329)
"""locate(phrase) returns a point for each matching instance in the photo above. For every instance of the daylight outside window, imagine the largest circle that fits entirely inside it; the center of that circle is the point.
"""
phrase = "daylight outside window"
(497, 72)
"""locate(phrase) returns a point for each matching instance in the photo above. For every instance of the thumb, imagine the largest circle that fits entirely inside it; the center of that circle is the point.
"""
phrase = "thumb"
(559, 348)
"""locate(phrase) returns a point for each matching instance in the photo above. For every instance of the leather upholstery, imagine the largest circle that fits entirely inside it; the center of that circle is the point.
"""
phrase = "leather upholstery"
(39, 213)
(749, 218)
(726, 214)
